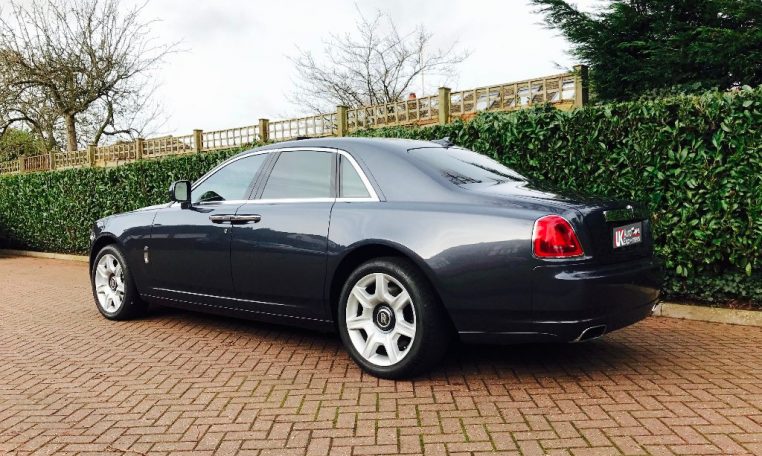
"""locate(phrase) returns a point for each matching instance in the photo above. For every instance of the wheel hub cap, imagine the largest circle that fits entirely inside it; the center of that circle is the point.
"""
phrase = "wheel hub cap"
(384, 318)
(112, 283)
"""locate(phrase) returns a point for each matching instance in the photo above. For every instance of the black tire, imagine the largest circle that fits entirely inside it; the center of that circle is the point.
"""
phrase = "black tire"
(132, 306)
(432, 327)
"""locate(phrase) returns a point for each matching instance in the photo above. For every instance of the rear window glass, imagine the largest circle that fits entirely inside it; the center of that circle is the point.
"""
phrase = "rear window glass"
(463, 167)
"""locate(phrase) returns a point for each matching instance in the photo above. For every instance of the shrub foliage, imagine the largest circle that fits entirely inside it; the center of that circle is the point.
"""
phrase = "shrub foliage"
(696, 162)
(53, 211)
(645, 47)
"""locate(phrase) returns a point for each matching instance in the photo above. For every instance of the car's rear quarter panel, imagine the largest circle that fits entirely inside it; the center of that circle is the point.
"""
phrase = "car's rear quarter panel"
(479, 259)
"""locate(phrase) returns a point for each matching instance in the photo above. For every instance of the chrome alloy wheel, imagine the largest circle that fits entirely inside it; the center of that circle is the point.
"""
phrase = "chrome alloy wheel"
(109, 283)
(380, 319)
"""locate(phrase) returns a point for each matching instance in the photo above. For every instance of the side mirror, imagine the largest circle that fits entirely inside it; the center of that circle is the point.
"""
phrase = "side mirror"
(180, 191)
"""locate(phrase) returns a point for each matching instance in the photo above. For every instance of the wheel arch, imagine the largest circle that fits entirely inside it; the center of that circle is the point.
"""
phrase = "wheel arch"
(359, 254)
(102, 241)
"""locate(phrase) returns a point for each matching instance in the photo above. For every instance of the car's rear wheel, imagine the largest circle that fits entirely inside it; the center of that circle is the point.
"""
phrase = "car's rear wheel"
(390, 319)
(113, 287)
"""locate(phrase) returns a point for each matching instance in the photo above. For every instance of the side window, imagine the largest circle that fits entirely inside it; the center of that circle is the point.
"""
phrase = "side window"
(352, 185)
(231, 182)
(300, 174)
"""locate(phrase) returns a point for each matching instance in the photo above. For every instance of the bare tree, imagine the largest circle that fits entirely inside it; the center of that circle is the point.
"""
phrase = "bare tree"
(28, 109)
(79, 58)
(128, 115)
(375, 64)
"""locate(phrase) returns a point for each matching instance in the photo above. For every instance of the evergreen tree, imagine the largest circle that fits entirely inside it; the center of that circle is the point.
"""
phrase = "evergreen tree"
(642, 47)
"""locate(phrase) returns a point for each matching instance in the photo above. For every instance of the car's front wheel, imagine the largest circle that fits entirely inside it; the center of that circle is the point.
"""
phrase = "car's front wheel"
(390, 319)
(113, 287)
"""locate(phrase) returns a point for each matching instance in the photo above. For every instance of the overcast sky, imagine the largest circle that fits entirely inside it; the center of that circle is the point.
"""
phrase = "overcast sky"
(234, 67)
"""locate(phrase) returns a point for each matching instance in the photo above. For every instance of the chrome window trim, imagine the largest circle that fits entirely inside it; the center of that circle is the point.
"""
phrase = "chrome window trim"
(230, 298)
(371, 191)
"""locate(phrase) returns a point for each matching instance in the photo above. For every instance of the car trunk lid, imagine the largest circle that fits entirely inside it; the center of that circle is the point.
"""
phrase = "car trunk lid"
(599, 217)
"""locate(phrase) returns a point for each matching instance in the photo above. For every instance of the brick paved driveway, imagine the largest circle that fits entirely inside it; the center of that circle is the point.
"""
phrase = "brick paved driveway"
(72, 382)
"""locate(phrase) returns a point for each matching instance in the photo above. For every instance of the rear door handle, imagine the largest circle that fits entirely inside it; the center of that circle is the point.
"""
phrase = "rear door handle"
(220, 218)
(249, 218)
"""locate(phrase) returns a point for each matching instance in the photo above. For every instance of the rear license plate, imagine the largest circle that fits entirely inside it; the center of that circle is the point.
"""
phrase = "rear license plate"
(628, 234)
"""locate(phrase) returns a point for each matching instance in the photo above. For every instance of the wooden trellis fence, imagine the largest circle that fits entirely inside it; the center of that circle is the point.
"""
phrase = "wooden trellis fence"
(563, 91)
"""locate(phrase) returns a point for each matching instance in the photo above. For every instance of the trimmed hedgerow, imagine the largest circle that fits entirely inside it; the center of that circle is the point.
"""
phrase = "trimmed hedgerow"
(53, 211)
(696, 162)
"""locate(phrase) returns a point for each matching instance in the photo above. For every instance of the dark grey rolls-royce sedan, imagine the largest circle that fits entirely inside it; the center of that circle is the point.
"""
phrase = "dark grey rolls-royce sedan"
(401, 246)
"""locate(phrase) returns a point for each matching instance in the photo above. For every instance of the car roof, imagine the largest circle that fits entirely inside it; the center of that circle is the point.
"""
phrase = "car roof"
(355, 143)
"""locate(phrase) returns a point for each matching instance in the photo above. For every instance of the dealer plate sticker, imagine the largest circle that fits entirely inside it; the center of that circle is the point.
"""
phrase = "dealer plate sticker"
(628, 235)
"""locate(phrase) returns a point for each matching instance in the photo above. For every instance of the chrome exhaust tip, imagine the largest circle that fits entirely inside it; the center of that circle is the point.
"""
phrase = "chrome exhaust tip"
(592, 332)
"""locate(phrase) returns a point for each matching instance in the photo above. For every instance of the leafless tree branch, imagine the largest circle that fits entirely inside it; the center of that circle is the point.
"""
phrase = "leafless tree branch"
(86, 62)
(375, 64)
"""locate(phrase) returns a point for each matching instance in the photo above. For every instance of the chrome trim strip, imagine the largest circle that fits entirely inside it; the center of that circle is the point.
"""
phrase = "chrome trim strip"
(581, 336)
(222, 297)
(371, 191)
(285, 200)
(246, 218)
(352, 161)
(217, 218)
(222, 203)
(291, 200)
(625, 214)
(196, 303)
(363, 177)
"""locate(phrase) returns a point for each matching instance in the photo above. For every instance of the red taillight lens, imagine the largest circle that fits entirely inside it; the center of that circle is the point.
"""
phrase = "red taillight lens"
(554, 237)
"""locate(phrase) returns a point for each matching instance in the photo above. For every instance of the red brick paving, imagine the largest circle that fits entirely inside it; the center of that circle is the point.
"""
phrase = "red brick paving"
(184, 383)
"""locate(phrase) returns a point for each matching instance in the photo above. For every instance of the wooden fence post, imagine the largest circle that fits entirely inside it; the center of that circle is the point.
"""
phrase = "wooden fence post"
(264, 130)
(51, 160)
(198, 140)
(22, 164)
(91, 148)
(444, 105)
(581, 86)
(140, 145)
(342, 120)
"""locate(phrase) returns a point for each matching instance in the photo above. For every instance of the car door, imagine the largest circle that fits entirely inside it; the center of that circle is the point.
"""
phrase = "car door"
(189, 251)
(279, 242)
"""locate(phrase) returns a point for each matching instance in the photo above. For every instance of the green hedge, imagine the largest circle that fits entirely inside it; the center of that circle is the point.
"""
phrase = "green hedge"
(53, 211)
(696, 162)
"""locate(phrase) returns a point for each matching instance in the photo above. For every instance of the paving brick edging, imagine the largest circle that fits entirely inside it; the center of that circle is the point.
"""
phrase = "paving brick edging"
(664, 309)
(55, 256)
(713, 314)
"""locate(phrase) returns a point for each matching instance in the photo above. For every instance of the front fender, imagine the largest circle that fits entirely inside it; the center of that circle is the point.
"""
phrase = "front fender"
(130, 231)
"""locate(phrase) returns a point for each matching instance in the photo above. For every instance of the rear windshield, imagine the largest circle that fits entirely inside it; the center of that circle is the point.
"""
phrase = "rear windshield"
(464, 167)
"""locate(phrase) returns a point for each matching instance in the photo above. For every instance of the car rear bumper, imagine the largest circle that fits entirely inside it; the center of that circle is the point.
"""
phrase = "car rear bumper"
(567, 300)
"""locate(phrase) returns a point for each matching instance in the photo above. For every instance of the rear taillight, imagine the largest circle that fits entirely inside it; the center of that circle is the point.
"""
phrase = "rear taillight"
(554, 237)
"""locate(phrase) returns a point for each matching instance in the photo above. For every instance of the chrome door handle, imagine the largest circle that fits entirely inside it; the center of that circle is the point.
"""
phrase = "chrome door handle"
(220, 218)
(246, 218)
